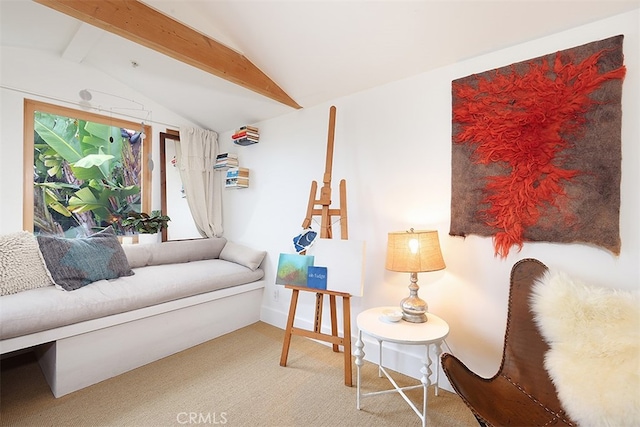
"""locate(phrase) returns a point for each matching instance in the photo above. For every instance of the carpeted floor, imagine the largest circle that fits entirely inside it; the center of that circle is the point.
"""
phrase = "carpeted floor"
(234, 380)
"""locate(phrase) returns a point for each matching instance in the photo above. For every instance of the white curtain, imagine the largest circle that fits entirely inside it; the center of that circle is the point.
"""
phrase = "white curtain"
(195, 157)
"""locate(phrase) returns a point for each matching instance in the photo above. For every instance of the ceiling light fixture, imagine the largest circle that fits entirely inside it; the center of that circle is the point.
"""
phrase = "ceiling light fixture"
(85, 95)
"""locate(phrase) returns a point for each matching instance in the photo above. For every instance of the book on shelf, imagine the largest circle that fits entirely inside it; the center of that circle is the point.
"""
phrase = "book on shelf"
(236, 182)
(249, 135)
(248, 128)
(227, 163)
(225, 156)
(224, 167)
(238, 173)
(245, 133)
(254, 138)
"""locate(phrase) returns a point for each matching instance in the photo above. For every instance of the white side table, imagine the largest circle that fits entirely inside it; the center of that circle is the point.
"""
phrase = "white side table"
(431, 333)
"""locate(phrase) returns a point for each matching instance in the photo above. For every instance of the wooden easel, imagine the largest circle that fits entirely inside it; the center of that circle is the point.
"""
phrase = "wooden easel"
(321, 207)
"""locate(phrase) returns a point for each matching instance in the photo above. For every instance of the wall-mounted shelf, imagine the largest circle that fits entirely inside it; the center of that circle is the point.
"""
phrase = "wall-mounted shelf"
(237, 178)
(225, 161)
(246, 135)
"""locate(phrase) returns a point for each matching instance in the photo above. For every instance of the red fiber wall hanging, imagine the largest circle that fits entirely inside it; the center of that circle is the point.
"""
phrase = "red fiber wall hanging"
(536, 149)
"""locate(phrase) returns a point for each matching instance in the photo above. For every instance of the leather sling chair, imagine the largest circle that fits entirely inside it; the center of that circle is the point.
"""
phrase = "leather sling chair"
(521, 393)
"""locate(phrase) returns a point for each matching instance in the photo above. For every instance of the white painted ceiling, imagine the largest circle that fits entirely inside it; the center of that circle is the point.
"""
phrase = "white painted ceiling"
(315, 50)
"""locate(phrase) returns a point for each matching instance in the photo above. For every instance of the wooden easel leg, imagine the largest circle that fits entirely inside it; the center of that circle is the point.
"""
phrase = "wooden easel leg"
(334, 320)
(287, 333)
(344, 229)
(325, 223)
(346, 309)
(312, 200)
(317, 322)
(317, 334)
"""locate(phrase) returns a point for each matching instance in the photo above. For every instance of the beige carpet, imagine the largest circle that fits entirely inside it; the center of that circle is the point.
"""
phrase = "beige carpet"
(234, 380)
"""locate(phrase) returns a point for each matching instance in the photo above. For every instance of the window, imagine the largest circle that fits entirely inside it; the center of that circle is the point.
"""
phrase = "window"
(82, 171)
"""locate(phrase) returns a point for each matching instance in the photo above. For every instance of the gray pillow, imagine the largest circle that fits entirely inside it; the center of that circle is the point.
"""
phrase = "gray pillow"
(176, 251)
(242, 255)
(74, 263)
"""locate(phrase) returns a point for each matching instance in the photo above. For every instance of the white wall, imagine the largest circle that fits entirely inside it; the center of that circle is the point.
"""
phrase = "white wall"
(393, 146)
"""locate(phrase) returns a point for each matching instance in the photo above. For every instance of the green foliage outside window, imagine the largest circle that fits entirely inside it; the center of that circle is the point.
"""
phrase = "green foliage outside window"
(86, 175)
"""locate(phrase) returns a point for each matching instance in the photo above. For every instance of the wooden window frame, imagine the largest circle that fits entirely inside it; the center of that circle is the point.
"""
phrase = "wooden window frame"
(31, 106)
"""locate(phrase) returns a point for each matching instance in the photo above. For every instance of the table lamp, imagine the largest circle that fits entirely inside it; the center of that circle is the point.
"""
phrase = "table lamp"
(414, 252)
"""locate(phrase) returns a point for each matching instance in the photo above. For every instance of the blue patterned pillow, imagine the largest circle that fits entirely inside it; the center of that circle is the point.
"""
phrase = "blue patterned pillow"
(74, 263)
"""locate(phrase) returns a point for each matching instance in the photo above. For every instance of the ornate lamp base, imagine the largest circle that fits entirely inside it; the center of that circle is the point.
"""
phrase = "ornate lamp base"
(414, 318)
(414, 308)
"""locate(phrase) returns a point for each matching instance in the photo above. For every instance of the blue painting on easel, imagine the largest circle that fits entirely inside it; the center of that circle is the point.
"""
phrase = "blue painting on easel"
(317, 277)
(292, 269)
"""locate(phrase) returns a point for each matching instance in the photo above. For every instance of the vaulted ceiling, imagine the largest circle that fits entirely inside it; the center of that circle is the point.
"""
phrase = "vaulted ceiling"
(310, 51)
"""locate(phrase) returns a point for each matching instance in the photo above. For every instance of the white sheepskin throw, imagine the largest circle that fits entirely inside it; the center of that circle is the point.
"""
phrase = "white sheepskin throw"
(21, 264)
(594, 357)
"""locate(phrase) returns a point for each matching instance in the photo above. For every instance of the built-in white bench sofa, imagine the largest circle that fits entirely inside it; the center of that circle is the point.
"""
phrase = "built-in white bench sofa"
(182, 293)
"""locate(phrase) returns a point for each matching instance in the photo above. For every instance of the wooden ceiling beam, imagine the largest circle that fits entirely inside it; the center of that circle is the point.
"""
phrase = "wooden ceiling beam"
(146, 26)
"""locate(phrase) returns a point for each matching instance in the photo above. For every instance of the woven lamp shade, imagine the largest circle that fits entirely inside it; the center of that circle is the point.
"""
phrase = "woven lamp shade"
(414, 251)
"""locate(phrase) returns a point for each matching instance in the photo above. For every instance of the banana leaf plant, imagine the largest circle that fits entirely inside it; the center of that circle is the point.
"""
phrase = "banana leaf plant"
(88, 173)
(146, 224)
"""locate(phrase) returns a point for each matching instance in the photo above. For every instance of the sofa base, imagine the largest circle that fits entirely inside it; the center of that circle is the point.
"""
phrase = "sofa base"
(133, 339)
